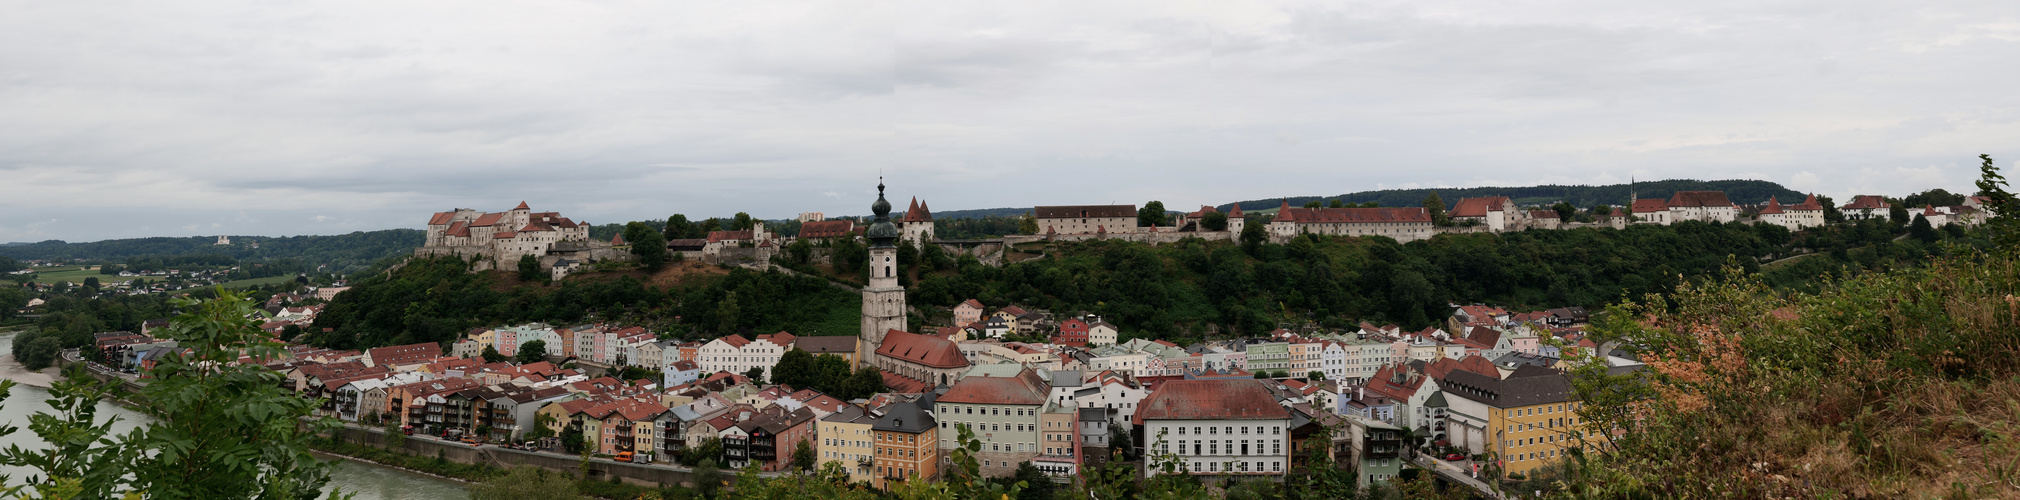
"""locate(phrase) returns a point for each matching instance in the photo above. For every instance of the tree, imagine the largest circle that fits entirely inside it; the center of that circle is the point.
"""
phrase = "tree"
(529, 269)
(526, 483)
(1253, 236)
(36, 350)
(1898, 214)
(801, 251)
(1027, 224)
(1437, 207)
(1152, 214)
(291, 331)
(223, 429)
(533, 351)
(756, 374)
(1921, 230)
(396, 438)
(795, 368)
(1314, 204)
(831, 375)
(572, 440)
(1337, 203)
(1315, 375)
(1565, 211)
(1215, 221)
(678, 228)
(866, 382)
(803, 456)
(1037, 486)
(491, 355)
(743, 222)
(709, 225)
(647, 245)
(2000, 203)
(91, 282)
(84, 462)
(727, 315)
(1601, 211)
(707, 478)
(1832, 215)
(1262, 374)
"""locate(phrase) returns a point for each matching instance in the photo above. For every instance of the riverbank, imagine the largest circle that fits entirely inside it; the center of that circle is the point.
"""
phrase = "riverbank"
(443, 468)
(11, 369)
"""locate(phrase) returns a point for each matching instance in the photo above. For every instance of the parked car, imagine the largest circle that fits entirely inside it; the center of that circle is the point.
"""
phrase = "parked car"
(1454, 457)
(624, 456)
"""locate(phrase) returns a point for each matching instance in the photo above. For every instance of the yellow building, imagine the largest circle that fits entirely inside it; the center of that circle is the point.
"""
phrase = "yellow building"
(846, 437)
(907, 445)
(1525, 421)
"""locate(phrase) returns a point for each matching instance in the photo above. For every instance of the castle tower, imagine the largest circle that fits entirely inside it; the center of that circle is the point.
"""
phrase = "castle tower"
(883, 299)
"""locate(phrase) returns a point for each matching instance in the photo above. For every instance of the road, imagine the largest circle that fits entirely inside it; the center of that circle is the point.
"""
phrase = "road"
(1460, 473)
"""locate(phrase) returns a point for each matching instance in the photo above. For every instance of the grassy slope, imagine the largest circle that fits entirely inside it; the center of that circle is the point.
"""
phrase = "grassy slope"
(1903, 384)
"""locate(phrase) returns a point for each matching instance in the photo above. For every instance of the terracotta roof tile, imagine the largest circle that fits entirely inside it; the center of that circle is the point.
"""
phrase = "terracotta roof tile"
(922, 349)
(1230, 399)
(1478, 207)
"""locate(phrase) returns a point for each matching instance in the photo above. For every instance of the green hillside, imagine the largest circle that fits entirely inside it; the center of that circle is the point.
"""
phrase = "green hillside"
(341, 253)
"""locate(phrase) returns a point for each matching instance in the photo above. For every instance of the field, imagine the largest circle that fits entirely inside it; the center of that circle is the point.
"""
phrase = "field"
(257, 281)
(77, 274)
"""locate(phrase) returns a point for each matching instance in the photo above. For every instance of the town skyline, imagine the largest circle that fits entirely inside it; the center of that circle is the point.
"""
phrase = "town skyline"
(145, 120)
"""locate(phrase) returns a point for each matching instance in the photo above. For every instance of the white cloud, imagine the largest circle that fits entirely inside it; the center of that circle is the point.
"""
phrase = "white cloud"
(375, 114)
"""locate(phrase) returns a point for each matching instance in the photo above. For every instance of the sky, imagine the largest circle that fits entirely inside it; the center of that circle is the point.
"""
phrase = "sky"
(123, 119)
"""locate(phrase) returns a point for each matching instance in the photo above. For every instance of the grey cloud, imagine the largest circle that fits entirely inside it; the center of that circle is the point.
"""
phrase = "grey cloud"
(374, 114)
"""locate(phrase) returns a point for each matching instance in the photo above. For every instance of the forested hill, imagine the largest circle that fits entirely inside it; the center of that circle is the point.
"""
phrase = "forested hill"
(1740, 191)
(342, 253)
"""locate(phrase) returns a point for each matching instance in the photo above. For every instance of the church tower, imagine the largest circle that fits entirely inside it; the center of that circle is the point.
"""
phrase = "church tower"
(883, 299)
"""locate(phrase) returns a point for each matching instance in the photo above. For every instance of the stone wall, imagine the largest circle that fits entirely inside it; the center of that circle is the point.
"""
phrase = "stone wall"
(600, 469)
(1156, 238)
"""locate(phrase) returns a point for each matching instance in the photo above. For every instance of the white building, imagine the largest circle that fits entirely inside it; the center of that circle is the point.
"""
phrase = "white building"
(736, 354)
(1086, 219)
(1217, 428)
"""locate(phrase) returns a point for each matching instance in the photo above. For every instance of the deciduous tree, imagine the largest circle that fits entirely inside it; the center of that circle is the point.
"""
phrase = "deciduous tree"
(1436, 206)
(1216, 221)
(1152, 214)
(533, 351)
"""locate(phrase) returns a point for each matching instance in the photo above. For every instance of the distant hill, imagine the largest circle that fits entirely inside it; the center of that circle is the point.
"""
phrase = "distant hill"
(342, 253)
(1740, 191)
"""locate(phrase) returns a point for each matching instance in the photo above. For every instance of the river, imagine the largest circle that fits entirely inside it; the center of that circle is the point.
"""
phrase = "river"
(365, 481)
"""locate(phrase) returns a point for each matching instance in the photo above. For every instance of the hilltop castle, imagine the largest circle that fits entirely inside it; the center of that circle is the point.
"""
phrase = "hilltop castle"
(498, 239)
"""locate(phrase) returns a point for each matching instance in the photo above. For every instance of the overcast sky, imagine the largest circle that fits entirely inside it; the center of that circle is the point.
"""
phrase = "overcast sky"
(148, 118)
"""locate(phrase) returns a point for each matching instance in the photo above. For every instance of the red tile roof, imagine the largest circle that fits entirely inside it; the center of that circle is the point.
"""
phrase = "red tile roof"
(922, 349)
(440, 218)
(904, 385)
(1650, 205)
(1224, 399)
(617, 240)
(459, 228)
(1867, 201)
(1084, 211)
(404, 353)
(1478, 207)
(503, 235)
(1017, 390)
(1352, 215)
(828, 229)
(917, 213)
(735, 340)
(1773, 207)
(522, 206)
(1808, 204)
(487, 219)
(781, 339)
(1699, 199)
(972, 303)
(719, 236)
